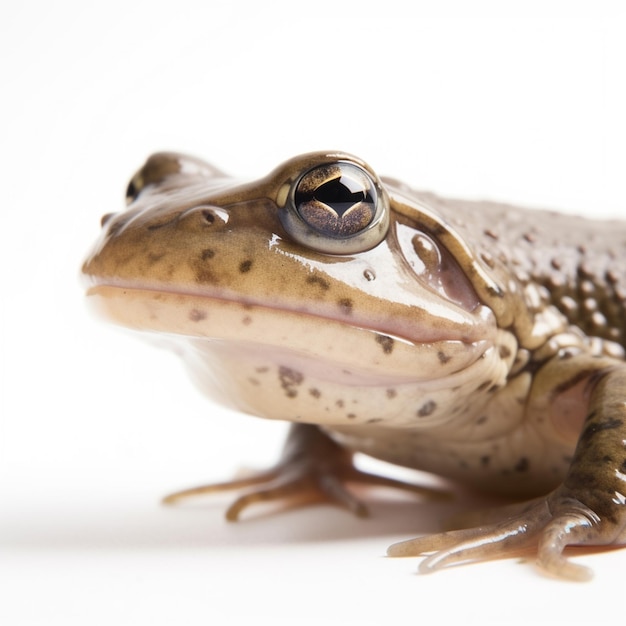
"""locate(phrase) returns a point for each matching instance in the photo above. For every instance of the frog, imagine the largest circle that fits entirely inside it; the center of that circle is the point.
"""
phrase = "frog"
(475, 340)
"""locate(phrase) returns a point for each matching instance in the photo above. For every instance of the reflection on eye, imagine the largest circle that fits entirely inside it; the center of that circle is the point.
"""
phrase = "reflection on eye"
(337, 200)
(337, 208)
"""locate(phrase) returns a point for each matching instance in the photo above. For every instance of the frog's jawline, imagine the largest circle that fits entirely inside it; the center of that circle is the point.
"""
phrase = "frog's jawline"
(204, 318)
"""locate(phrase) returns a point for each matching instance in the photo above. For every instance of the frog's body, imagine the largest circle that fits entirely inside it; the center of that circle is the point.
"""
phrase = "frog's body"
(477, 341)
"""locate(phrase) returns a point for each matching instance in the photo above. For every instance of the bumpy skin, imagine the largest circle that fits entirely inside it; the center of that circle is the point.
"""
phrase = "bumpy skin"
(478, 341)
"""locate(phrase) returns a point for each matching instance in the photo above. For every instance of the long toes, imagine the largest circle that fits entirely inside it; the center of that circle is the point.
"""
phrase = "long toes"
(464, 545)
(559, 533)
(429, 543)
(336, 493)
(279, 490)
(231, 485)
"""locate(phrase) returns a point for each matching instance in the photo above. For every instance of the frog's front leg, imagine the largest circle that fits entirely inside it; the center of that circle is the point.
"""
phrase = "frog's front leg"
(589, 508)
(312, 468)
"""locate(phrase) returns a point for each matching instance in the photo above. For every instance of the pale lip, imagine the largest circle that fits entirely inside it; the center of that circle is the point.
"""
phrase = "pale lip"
(374, 356)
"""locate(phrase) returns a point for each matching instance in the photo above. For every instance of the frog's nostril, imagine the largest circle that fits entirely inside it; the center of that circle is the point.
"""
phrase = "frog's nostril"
(213, 215)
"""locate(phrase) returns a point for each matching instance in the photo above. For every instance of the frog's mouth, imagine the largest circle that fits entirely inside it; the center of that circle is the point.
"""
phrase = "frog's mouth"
(334, 346)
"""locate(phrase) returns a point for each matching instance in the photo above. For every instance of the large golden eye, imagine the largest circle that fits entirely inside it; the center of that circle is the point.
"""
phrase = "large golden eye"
(338, 208)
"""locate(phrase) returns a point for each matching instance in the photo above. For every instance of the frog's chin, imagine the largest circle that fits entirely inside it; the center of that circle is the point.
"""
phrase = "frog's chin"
(220, 331)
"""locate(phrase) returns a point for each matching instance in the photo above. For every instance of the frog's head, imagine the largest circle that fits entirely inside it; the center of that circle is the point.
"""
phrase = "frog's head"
(319, 274)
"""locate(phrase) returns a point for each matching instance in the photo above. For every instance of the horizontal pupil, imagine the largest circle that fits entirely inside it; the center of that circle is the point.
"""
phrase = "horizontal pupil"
(339, 196)
(336, 201)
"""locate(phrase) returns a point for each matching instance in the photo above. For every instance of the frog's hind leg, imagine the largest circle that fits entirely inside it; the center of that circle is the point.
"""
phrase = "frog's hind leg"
(313, 468)
(589, 508)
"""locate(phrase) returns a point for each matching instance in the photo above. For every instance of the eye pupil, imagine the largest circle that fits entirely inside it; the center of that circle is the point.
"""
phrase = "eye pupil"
(338, 200)
(340, 194)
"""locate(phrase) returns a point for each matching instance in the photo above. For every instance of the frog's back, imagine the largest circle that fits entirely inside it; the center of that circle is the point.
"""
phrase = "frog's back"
(579, 263)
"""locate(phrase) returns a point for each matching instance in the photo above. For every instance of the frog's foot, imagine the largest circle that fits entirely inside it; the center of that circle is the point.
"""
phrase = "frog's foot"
(312, 469)
(547, 524)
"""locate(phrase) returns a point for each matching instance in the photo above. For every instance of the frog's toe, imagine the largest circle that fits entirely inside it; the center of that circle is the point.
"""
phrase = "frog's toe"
(256, 478)
(571, 528)
(470, 544)
(549, 525)
(299, 489)
(312, 469)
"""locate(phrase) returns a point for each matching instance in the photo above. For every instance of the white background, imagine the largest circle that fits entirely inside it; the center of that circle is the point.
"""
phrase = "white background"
(519, 104)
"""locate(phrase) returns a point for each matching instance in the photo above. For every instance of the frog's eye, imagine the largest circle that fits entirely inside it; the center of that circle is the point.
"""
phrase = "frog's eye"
(337, 208)
(156, 169)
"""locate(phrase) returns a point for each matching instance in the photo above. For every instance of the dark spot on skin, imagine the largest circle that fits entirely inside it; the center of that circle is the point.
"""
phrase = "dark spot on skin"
(245, 266)
(504, 352)
(247, 320)
(195, 315)
(207, 254)
(485, 460)
(386, 343)
(340, 404)
(428, 408)
(316, 393)
(608, 424)
(290, 379)
(345, 304)
(262, 370)
(584, 271)
(351, 416)
(481, 420)
(153, 257)
(391, 393)
(612, 276)
(375, 420)
(491, 234)
(487, 259)
(522, 465)
(253, 381)
(529, 237)
(319, 281)
(204, 276)
(443, 357)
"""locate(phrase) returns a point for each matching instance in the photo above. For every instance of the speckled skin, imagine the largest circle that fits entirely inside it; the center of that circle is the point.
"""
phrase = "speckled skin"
(479, 341)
